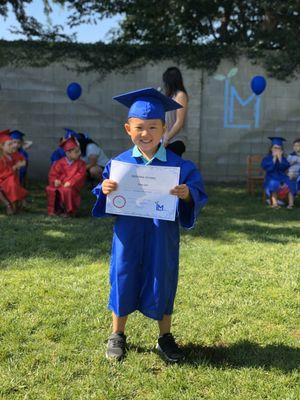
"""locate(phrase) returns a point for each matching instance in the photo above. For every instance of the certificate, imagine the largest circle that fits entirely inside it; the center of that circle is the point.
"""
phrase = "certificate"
(143, 191)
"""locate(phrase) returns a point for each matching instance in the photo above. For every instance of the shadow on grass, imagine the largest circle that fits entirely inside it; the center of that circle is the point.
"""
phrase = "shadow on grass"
(230, 214)
(243, 354)
(227, 230)
(33, 234)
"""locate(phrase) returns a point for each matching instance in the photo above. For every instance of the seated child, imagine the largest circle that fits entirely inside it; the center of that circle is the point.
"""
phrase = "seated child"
(94, 157)
(91, 153)
(66, 179)
(276, 167)
(294, 161)
(59, 152)
(11, 192)
(20, 153)
(145, 252)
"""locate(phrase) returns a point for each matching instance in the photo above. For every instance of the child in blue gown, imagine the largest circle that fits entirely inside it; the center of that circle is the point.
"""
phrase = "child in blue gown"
(294, 160)
(276, 179)
(145, 252)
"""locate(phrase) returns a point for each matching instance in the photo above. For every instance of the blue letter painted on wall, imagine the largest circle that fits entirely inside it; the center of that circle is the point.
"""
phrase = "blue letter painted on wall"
(231, 96)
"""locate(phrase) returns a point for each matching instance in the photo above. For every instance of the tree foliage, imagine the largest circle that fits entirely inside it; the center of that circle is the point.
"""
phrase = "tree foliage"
(197, 33)
(30, 26)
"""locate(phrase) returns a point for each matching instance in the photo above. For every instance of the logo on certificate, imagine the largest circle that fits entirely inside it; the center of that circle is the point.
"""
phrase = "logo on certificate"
(159, 207)
(119, 201)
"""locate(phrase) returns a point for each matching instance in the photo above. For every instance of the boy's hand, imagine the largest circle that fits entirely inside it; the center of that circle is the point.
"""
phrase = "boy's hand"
(21, 163)
(67, 184)
(57, 183)
(292, 176)
(182, 192)
(108, 186)
(277, 153)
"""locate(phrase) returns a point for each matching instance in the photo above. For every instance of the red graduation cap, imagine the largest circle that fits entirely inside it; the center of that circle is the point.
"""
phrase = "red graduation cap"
(69, 144)
(4, 136)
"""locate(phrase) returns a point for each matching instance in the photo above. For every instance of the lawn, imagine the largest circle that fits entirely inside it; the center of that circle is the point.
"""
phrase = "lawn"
(236, 312)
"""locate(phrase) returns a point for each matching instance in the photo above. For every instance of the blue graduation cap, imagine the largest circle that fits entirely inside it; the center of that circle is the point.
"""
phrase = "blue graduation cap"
(70, 133)
(276, 140)
(17, 135)
(147, 103)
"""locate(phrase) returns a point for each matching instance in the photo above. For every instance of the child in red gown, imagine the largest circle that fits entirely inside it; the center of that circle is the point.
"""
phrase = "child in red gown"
(66, 179)
(18, 161)
(11, 191)
(20, 154)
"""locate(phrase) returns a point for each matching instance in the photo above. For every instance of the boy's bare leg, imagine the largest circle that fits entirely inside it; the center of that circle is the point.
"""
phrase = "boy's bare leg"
(166, 344)
(291, 200)
(119, 323)
(116, 345)
(9, 207)
(165, 324)
(3, 199)
(273, 198)
(95, 172)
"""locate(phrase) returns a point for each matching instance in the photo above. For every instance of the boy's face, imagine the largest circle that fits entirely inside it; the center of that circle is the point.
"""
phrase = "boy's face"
(145, 133)
(74, 154)
(7, 147)
(297, 147)
(16, 144)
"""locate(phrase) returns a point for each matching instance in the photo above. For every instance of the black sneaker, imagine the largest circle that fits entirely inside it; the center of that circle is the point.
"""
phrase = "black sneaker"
(169, 349)
(116, 346)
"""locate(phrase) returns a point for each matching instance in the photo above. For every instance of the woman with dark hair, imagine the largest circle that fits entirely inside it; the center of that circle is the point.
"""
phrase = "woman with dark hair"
(174, 137)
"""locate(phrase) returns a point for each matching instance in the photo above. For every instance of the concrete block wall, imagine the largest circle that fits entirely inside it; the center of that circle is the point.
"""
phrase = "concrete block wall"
(35, 101)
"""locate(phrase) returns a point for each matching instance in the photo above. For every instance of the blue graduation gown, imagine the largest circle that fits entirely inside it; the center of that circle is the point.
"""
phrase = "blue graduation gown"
(23, 170)
(145, 252)
(57, 155)
(276, 174)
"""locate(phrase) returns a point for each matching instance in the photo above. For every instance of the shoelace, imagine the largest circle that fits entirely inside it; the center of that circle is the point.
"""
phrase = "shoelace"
(117, 341)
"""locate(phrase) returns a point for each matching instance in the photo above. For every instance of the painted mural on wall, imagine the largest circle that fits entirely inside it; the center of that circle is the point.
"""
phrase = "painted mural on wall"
(232, 97)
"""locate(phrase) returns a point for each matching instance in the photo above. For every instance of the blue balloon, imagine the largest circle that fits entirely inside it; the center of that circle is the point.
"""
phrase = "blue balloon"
(258, 84)
(74, 91)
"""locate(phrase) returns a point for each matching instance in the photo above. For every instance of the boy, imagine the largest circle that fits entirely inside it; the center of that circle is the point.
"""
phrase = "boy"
(66, 179)
(276, 180)
(145, 252)
(11, 192)
(91, 153)
(59, 152)
(294, 160)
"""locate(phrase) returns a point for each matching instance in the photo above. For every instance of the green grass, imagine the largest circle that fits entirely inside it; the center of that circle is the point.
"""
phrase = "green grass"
(236, 312)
